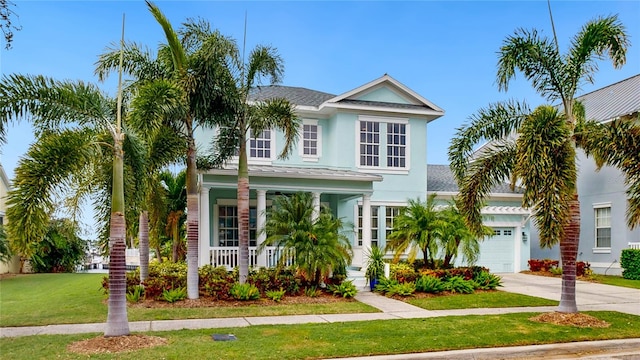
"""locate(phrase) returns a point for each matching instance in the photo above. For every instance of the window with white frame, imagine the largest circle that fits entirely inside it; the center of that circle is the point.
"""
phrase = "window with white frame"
(603, 226)
(228, 233)
(374, 225)
(369, 143)
(311, 141)
(396, 145)
(260, 145)
(391, 212)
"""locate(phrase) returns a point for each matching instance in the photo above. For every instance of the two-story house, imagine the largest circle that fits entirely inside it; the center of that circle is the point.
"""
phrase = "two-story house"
(603, 201)
(362, 154)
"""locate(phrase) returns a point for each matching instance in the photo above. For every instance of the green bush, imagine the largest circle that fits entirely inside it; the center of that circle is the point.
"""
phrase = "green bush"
(273, 279)
(244, 292)
(403, 289)
(430, 284)
(403, 272)
(136, 294)
(60, 250)
(173, 295)
(556, 270)
(215, 282)
(275, 295)
(384, 284)
(458, 284)
(346, 289)
(312, 292)
(630, 263)
(487, 281)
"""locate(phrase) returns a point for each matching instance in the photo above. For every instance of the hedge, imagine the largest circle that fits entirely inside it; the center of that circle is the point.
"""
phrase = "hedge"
(630, 263)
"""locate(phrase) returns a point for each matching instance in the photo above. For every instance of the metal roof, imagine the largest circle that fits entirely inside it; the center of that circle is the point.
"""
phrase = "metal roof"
(295, 95)
(613, 101)
(298, 173)
(441, 179)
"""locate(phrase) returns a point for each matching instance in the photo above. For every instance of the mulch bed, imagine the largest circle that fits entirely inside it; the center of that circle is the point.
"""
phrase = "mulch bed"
(115, 344)
(571, 319)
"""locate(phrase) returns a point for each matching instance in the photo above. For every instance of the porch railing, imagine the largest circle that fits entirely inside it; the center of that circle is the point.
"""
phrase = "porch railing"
(634, 245)
(228, 257)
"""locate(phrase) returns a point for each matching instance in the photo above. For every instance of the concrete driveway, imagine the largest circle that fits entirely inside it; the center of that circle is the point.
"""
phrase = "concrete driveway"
(589, 296)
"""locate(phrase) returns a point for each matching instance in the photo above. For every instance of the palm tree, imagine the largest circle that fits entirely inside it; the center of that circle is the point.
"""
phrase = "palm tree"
(181, 89)
(72, 120)
(456, 238)
(318, 246)
(252, 119)
(176, 202)
(542, 155)
(416, 229)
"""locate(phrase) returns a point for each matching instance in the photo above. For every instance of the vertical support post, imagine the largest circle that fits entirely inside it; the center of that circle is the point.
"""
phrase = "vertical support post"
(366, 226)
(316, 206)
(261, 220)
(205, 226)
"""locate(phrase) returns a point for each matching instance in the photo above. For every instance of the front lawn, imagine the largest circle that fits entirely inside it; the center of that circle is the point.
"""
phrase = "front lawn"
(43, 299)
(315, 341)
(487, 299)
(614, 280)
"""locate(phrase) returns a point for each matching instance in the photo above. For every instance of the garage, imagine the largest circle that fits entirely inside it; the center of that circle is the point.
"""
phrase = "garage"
(497, 252)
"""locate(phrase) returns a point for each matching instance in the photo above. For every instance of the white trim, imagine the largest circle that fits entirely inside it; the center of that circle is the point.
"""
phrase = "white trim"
(382, 167)
(310, 158)
(601, 250)
(601, 205)
(596, 248)
(448, 194)
(383, 119)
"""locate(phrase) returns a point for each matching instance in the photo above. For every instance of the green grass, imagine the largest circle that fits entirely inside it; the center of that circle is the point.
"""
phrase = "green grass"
(615, 280)
(314, 341)
(43, 299)
(491, 299)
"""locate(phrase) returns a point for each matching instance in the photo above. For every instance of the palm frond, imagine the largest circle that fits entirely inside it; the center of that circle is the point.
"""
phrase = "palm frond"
(177, 51)
(264, 61)
(277, 113)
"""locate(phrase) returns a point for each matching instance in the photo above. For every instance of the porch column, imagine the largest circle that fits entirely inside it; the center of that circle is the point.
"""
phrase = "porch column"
(205, 223)
(260, 221)
(366, 226)
(316, 206)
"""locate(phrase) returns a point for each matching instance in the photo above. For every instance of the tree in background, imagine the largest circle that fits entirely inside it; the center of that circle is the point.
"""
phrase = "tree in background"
(61, 249)
(5, 249)
(541, 157)
(6, 22)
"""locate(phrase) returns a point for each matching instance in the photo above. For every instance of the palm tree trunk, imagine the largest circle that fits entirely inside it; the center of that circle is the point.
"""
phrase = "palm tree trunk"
(569, 254)
(192, 222)
(243, 213)
(143, 238)
(117, 322)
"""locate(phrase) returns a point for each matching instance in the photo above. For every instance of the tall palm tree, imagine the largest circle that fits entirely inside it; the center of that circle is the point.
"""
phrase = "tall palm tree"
(456, 238)
(416, 229)
(251, 120)
(319, 246)
(542, 154)
(72, 120)
(182, 89)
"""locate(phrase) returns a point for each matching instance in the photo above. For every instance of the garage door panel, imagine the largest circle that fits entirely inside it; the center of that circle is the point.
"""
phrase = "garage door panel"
(497, 252)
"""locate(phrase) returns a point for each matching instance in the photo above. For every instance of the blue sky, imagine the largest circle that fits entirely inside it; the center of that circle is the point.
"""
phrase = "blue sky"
(443, 50)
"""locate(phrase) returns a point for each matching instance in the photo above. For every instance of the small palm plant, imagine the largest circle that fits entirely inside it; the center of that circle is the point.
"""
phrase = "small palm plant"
(375, 265)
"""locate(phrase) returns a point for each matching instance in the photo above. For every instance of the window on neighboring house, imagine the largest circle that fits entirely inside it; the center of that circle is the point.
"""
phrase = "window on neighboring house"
(391, 212)
(260, 145)
(374, 225)
(369, 143)
(311, 144)
(228, 225)
(396, 145)
(603, 227)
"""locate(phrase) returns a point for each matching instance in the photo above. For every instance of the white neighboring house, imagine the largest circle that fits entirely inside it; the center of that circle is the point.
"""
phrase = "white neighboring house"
(603, 201)
(12, 266)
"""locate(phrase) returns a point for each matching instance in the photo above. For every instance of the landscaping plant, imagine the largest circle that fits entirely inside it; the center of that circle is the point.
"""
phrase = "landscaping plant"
(244, 292)
(630, 263)
(275, 295)
(430, 284)
(346, 289)
(173, 295)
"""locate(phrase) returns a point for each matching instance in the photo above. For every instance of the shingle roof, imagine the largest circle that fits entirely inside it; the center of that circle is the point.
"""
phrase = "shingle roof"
(441, 179)
(295, 95)
(613, 101)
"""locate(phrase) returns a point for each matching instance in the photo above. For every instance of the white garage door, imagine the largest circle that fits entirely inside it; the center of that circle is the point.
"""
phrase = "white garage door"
(497, 252)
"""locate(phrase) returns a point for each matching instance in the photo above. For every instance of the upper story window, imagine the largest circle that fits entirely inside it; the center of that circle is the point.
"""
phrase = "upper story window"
(310, 144)
(396, 145)
(603, 226)
(261, 145)
(369, 143)
(377, 133)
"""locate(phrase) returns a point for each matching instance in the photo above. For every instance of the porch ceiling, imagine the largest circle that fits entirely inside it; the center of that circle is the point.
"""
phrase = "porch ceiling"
(297, 172)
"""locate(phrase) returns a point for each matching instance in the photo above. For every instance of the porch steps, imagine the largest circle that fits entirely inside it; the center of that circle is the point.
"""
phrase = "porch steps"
(358, 278)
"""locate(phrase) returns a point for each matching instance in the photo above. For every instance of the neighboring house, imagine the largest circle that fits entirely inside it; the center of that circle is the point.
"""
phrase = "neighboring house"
(508, 249)
(12, 266)
(362, 154)
(603, 202)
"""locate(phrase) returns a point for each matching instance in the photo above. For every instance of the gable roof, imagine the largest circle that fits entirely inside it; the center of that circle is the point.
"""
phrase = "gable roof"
(614, 101)
(441, 179)
(322, 102)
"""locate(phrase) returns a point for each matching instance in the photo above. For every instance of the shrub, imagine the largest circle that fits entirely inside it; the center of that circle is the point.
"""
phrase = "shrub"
(244, 292)
(630, 263)
(403, 289)
(312, 292)
(384, 284)
(173, 295)
(402, 272)
(487, 281)
(430, 284)
(136, 294)
(272, 279)
(458, 284)
(346, 289)
(583, 269)
(215, 282)
(556, 271)
(275, 295)
(542, 265)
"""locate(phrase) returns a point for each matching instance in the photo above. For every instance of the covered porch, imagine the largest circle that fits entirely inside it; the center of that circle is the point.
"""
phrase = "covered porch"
(339, 190)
